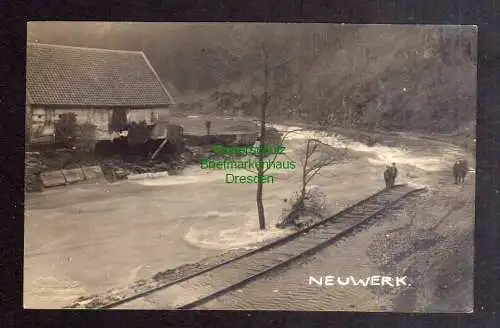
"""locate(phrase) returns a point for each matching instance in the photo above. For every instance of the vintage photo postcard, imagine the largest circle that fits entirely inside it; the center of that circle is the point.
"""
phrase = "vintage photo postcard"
(250, 166)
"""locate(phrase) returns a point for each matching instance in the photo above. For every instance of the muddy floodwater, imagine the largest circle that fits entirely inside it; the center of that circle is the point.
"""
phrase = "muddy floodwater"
(89, 238)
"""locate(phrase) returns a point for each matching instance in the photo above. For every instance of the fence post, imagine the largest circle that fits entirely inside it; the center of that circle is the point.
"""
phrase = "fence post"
(64, 176)
(83, 173)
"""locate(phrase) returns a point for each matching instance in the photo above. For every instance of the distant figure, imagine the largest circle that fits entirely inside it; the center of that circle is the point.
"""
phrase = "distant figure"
(257, 142)
(208, 125)
(394, 174)
(388, 176)
(460, 169)
(254, 154)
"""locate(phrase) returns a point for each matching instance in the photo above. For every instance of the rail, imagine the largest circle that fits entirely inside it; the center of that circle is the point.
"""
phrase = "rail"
(283, 251)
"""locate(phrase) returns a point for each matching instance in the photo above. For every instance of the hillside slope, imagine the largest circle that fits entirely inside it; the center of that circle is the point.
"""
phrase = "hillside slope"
(403, 78)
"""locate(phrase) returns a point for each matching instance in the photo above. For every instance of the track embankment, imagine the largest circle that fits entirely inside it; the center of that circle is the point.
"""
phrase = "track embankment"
(237, 272)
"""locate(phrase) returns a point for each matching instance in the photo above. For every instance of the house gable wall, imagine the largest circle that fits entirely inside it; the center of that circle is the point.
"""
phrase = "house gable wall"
(43, 119)
(150, 115)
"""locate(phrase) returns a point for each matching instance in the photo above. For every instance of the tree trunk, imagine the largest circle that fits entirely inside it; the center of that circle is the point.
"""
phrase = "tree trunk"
(260, 171)
(300, 202)
(260, 205)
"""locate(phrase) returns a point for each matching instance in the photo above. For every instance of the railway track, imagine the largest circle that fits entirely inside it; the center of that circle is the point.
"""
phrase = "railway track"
(198, 288)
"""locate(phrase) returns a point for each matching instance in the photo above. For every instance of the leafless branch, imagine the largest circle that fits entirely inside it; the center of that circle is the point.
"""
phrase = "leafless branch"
(312, 168)
(281, 143)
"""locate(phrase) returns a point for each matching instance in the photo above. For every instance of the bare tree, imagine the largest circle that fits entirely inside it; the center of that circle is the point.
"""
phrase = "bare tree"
(260, 170)
(251, 48)
(316, 157)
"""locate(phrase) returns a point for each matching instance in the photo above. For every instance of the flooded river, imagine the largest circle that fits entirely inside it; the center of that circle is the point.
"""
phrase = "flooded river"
(88, 238)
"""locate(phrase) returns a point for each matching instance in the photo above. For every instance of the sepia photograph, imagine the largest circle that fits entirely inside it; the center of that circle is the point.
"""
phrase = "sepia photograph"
(250, 166)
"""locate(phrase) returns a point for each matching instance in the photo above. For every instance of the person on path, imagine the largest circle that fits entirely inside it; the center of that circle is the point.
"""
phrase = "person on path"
(388, 176)
(394, 175)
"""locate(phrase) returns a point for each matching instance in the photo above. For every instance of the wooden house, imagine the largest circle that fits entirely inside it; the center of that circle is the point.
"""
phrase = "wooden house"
(105, 88)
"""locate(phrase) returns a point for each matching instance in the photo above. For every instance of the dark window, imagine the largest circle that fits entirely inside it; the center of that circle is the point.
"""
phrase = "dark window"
(118, 120)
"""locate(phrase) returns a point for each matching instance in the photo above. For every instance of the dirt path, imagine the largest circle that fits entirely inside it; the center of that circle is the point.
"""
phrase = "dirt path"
(432, 242)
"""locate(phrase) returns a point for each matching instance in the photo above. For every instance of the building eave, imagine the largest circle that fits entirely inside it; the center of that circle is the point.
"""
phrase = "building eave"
(158, 78)
(74, 106)
(84, 48)
(29, 100)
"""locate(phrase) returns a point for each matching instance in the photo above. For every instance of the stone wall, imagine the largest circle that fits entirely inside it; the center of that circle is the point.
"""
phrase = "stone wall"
(64, 177)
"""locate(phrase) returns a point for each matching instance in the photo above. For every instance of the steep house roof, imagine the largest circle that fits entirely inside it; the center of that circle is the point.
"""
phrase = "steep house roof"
(74, 76)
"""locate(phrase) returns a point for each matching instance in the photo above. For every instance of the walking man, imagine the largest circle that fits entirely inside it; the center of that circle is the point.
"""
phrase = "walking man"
(394, 174)
(456, 171)
(388, 176)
